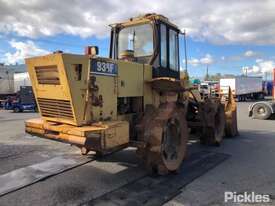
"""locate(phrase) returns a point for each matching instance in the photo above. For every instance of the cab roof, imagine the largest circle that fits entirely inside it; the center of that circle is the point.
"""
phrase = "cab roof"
(147, 18)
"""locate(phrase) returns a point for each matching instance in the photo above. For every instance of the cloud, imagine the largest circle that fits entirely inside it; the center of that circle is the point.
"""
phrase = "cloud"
(207, 59)
(259, 60)
(241, 56)
(249, 53)
(22, 51)
(194, 62)
(244, 22)
(261, 67)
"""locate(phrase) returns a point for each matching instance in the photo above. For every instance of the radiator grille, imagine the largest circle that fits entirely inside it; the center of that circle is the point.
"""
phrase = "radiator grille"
(47, 75)
(55, 108)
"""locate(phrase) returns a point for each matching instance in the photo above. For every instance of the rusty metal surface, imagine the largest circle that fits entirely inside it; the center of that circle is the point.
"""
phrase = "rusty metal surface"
(95, 137)
(156, 191)
(166, 84)
(97, 100)
(213, 120)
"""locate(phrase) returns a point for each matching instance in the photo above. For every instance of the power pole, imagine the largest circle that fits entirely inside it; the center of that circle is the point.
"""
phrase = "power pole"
(206, 76)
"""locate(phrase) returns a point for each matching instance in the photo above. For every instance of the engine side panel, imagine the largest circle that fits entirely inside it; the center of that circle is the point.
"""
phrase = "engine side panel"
(52, 77)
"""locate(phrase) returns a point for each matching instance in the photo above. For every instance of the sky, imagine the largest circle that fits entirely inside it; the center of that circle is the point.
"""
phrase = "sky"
(228, 37)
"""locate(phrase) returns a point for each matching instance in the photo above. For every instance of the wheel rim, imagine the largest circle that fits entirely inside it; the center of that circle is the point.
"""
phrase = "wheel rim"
(172, 145)
(261, 111)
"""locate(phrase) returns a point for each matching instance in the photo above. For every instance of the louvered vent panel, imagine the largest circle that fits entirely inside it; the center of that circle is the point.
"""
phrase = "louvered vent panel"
(55, 108)
(47, 75)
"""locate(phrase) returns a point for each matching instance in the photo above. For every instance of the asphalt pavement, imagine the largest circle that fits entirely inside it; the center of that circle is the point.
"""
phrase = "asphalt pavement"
(250, 167)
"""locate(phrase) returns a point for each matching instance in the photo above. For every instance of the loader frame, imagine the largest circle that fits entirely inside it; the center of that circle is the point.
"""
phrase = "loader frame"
(106, 104)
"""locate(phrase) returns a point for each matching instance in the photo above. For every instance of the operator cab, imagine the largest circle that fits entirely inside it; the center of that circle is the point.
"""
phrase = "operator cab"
(149, 39)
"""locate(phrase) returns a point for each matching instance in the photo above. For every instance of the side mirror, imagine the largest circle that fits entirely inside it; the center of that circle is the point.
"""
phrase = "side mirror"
(91, 50)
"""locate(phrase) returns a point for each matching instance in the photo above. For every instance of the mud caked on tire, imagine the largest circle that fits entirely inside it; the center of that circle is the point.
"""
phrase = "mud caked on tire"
(166, 136)
(213, 118)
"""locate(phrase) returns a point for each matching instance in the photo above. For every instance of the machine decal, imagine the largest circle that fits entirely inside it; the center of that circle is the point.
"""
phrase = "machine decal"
(102, 67)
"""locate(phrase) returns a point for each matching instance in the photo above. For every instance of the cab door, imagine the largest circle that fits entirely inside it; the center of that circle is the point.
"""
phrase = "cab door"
(168, 64)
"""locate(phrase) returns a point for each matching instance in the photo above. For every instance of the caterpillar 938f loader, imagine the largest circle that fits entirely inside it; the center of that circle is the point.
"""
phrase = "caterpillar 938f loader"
(136, 97)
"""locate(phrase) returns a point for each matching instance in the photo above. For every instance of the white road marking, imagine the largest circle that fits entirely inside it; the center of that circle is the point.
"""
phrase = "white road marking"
(22, 177)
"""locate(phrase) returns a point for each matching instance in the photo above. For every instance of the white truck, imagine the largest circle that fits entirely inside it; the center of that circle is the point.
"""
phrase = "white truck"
(243, 87)
(21, 79)
(208, 88)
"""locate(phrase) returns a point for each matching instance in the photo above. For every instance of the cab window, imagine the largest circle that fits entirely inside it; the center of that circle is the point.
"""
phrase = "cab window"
(173, 50)
(138, 39)
(163, 45)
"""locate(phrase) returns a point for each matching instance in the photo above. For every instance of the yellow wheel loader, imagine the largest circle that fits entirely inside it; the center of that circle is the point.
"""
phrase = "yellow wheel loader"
(136, 97)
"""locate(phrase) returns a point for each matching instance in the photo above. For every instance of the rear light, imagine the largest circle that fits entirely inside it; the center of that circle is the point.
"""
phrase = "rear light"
(91, 50)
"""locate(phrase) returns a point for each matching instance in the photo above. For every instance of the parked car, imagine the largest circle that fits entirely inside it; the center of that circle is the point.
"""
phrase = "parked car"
(24, 100)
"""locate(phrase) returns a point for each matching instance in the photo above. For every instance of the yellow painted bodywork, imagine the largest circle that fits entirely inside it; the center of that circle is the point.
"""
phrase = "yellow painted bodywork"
(69, 89)
(131, 81)
(82, 105)
(108, 89)
(150, 96)
(109, 134)
(145, 19)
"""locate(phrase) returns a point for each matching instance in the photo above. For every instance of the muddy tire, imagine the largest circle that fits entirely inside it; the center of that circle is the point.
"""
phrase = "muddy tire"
(213, 135)
(166, 136)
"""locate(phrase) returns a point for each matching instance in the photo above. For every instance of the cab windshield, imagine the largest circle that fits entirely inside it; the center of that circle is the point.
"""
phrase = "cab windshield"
(138, 39)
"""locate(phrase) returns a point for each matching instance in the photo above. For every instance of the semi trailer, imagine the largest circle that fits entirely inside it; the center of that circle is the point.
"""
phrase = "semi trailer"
(243, 87)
